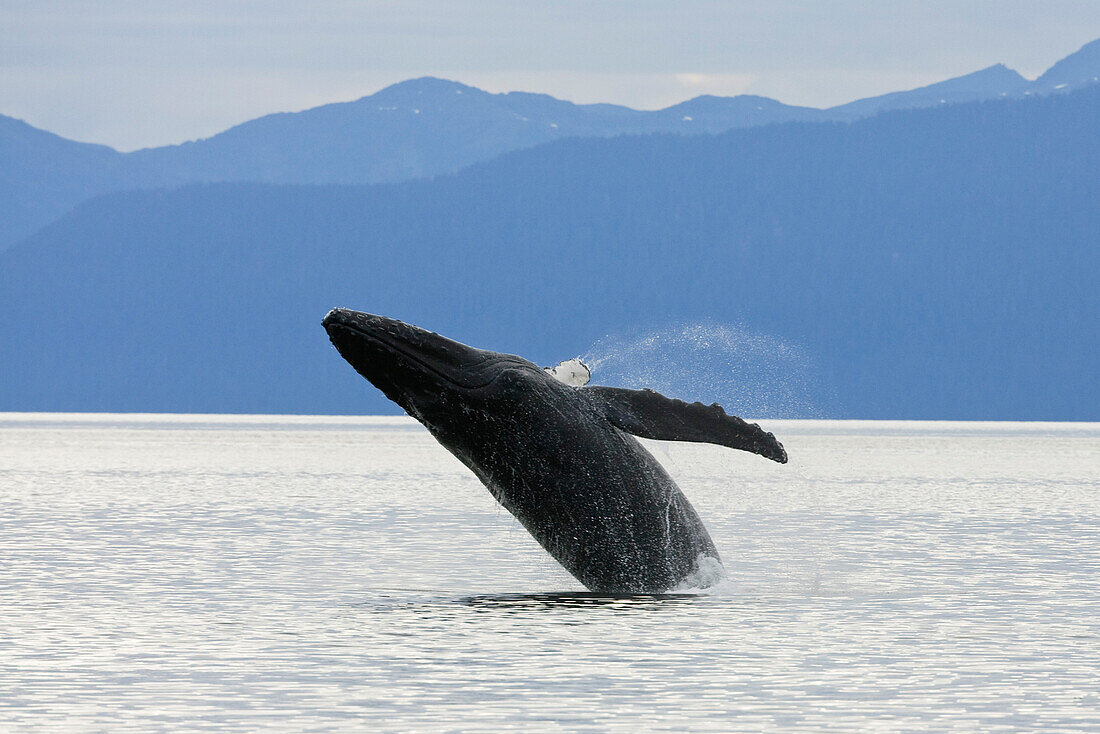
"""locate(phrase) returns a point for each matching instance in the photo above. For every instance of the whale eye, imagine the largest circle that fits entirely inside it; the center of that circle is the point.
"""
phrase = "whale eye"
(572, 372)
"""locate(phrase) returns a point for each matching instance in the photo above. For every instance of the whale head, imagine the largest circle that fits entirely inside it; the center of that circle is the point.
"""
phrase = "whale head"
(426, 374)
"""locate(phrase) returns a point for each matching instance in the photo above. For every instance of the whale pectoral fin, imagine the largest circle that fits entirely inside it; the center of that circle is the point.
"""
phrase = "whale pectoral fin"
(649, 414)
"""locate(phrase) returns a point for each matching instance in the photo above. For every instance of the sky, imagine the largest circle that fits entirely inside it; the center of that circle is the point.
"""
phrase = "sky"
(138, 73)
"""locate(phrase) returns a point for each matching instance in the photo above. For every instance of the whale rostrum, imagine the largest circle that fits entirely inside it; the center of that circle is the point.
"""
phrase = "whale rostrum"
(562, 458)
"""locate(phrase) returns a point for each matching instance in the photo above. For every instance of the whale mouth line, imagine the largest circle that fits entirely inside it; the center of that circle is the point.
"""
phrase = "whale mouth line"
(413, 357)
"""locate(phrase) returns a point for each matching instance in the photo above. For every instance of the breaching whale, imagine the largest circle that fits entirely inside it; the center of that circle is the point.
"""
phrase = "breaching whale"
(562, 459)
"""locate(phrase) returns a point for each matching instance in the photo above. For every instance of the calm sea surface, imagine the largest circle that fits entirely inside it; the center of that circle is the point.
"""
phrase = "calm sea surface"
(287, 573)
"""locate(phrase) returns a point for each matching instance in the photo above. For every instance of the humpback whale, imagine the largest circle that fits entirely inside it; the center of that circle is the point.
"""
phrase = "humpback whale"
(562, 458)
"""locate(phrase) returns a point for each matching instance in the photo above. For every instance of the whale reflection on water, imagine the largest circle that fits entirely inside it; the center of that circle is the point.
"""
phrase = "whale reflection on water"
(583, 599)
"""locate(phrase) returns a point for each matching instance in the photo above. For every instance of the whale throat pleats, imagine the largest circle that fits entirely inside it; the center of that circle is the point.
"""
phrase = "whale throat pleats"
(649, 414)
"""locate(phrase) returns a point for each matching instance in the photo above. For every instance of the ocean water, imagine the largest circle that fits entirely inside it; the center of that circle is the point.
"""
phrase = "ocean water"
(318, 573)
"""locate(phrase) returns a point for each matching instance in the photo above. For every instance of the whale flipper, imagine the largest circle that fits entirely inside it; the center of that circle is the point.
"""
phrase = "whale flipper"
(649, 414)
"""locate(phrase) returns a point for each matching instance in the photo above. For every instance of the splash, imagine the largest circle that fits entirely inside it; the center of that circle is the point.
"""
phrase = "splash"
(708, 575)
(748, 373)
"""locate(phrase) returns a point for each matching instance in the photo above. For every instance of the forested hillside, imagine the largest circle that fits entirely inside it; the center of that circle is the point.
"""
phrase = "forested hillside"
(936, 263)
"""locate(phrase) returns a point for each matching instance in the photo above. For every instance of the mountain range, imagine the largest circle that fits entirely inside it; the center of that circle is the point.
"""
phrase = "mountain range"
(937, 262)
(423, 128)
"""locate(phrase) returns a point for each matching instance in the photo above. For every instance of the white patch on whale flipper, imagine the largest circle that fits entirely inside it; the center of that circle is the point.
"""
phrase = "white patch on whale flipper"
(572, 372)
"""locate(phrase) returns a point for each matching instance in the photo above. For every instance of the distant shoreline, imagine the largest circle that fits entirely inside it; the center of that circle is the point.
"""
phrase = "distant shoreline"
(230, 421)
